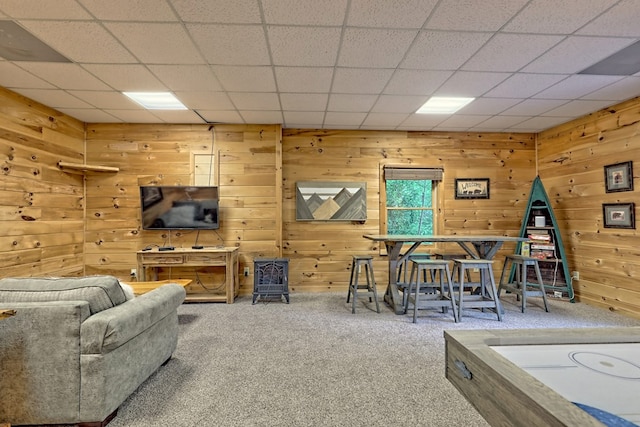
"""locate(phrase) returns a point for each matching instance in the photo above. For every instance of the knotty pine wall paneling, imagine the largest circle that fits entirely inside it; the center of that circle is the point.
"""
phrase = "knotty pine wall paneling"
(41, 207)
(320, 252)
(571, 165)
(245, 169)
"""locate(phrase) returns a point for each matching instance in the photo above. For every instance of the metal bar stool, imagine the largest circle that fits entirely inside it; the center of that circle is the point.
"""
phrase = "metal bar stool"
(486, 296)
(424, 294)
(521, 286)
(368, 289)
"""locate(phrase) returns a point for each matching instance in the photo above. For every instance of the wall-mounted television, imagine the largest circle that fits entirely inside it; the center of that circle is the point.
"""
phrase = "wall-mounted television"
(189, 207)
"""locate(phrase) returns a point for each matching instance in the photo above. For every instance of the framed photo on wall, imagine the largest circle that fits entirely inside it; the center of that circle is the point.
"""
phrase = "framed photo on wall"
(619, 215)
(472, 188)
(618, 177)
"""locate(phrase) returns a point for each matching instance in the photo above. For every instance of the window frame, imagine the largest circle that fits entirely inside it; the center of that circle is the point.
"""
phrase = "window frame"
(436, 197)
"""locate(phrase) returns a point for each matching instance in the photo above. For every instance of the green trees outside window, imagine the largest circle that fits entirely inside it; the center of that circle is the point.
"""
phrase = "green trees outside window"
(409, 207)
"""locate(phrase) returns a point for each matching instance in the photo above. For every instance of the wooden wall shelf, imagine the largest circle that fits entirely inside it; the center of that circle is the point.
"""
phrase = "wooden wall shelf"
(83, 168)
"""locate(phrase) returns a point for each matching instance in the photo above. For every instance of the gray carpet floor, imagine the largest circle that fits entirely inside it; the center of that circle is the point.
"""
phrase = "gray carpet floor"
(314, 363)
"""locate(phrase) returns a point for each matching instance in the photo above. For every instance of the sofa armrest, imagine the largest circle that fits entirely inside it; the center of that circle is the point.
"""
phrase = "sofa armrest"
(39, 361)
(111, 328)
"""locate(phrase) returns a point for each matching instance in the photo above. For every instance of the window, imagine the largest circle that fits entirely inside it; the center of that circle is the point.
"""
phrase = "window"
(410, 200)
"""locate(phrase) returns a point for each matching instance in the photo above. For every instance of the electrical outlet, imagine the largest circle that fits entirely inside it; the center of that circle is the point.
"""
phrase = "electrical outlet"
(134, 272)
(246, 271)
(575, 275)
(557, 294)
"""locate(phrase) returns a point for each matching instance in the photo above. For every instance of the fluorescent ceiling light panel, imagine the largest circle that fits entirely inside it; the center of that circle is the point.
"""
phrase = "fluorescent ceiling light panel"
(443, 105)
(156, 100)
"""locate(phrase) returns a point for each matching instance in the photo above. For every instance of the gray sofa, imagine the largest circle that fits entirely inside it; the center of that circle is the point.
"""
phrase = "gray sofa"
(77, 347)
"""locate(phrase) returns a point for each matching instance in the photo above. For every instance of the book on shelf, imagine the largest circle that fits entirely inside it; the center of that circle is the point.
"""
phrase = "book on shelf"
(540, 237)
(539, 254)
(543, 247)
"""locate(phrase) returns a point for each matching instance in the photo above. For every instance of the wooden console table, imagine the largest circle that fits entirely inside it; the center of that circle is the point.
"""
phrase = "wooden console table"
(150, 260)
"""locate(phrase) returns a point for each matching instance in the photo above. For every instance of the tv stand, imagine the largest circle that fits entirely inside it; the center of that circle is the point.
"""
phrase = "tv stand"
(150, 261)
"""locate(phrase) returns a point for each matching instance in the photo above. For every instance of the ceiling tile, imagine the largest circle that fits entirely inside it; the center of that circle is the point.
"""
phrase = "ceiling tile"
(621, 20)
(384, 120)
(398, 104)
(374, 48)
(343, 118)
(132, 116)
(510, 52)
(186, 77)
(462, 121)
(488, 105)
(262, 117)
(576, 108)
(245, 79)
(425, 121)
(304, 46)
(304, 79)
(214, 116)
(53, 98)
(130, 10)
(617, 91)
(65, 76)
(351, 103)
(539, 123)
(575, 54)
(95, 116)
(177, 116)
(533, 107)
(416, 82)
(501, 122)
(218, 11)
(303, 119)
(219, 44)
(441, 50)
(567, 16)
(106, 100)
(37, 9)
(303, 101)
(126, 77)
(12, 76)
(87, 42)
(389, 14)
(157, 43)
(304, 12)
(472, 84)
(522, 85)
(360, 80)
(577, 86)
(255, 101)
(206, 100)
(468, 15)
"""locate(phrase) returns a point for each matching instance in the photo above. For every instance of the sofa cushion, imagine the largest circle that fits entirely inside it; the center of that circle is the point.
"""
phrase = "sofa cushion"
(101, 292)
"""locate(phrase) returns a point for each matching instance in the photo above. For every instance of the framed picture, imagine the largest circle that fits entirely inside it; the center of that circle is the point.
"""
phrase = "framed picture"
(331, 201)
(619, 215)
(618, 177)
(472, 188)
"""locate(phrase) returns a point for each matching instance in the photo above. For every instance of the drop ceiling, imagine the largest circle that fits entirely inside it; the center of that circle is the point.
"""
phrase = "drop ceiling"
(335, 64)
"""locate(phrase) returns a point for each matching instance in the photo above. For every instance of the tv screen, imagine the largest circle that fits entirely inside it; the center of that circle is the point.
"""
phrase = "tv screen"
(167, 207)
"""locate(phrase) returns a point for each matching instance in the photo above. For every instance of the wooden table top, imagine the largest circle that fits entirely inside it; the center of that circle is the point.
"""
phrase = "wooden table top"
(441, 238)
(6, 313)
(140, 288)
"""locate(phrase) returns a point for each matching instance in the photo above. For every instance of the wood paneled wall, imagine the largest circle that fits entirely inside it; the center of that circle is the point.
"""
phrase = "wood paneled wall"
(245, 167)
(41, 207)
(320, 252)
(571, 164)
(51, 228)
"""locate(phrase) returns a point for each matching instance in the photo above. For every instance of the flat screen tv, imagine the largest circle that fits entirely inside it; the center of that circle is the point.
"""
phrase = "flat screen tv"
(190, 207)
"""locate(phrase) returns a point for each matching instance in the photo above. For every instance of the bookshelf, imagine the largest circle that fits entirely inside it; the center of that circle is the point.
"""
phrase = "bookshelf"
(544, 242)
